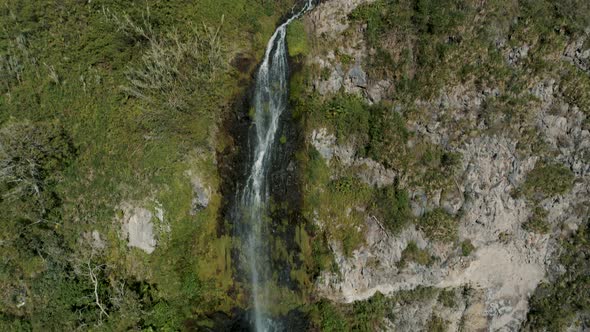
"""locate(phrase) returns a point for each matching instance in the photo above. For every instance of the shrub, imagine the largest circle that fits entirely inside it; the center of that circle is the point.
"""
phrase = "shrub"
(436, 324)
(547, 180)
(555, 305)
(349, 116)
(369, 315)
(439, 225)
(467, 247)
(412, 253)
(329, 318)
(447, 298)
(32, 157)
(392, 205)
(537, 223)
(175, 67)
(388, 137)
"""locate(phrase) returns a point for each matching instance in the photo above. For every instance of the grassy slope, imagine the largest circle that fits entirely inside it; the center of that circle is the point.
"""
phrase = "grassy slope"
(74, 61)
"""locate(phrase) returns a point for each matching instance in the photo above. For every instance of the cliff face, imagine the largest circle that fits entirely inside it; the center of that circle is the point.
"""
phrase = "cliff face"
(502, 96)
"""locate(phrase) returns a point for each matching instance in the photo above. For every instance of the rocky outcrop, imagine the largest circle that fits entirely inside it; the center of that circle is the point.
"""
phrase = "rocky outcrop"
(138, 228)
(366, 169)
(201, 193)
(578, 52)
(508, 262)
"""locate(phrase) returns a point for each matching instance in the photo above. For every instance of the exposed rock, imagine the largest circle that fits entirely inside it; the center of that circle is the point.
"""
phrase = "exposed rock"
(507, 272)
(577, 54)
(373, 173)
(138, 228)
(94, 239)
(327, 22)
(97, 242)
(201, 193)
(357, 76)
(378, 91)
(508, 262)
(517, 54)
(366, 169)
(334, 82)
(324, 142)
(329, 18)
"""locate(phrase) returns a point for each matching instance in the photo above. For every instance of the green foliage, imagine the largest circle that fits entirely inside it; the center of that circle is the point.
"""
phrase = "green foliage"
(328, 317)
(447, 297)
(369, 314)
(439, 225)
(297, 39)
(388, 137)
(538, 223)
(430, 22)
(413, 253)
(349, 116)
(436, 324)
(32, 158)
(547, 180)
(554, 306)
(467, 247)
(335, 201)
(392, 205)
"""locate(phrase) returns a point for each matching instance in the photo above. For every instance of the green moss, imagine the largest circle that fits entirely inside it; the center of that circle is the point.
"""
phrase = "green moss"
(297, 39)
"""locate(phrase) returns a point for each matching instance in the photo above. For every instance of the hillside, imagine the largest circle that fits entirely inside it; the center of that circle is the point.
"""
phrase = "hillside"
(431, 171)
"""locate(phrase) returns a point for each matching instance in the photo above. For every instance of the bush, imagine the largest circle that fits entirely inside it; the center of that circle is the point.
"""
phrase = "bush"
(412, 253)
(467, 248)
(555, 305)
(547, 180)
(388, 137)
(392, 205)
(436, 324)
(369, 315)
(439, 225)
(537, 223)
(32, 157)
(349, 116)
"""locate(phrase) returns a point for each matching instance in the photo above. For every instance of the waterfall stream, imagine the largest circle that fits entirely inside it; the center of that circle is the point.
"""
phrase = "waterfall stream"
(270, 101)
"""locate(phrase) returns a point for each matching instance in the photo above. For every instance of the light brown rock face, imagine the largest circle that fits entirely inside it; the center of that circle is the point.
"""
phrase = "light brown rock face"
(508, 262)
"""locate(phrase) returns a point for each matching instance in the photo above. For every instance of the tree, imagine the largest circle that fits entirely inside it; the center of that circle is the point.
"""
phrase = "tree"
(32, 156)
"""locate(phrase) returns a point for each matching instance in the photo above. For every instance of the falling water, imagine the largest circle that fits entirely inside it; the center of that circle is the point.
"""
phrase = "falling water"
(270, 101)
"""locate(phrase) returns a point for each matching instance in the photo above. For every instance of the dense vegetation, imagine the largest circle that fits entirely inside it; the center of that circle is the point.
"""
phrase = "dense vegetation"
(106, 102)
(555, 305)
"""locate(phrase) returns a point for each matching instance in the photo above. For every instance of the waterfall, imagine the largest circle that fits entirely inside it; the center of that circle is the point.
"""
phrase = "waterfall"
(270, 101)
